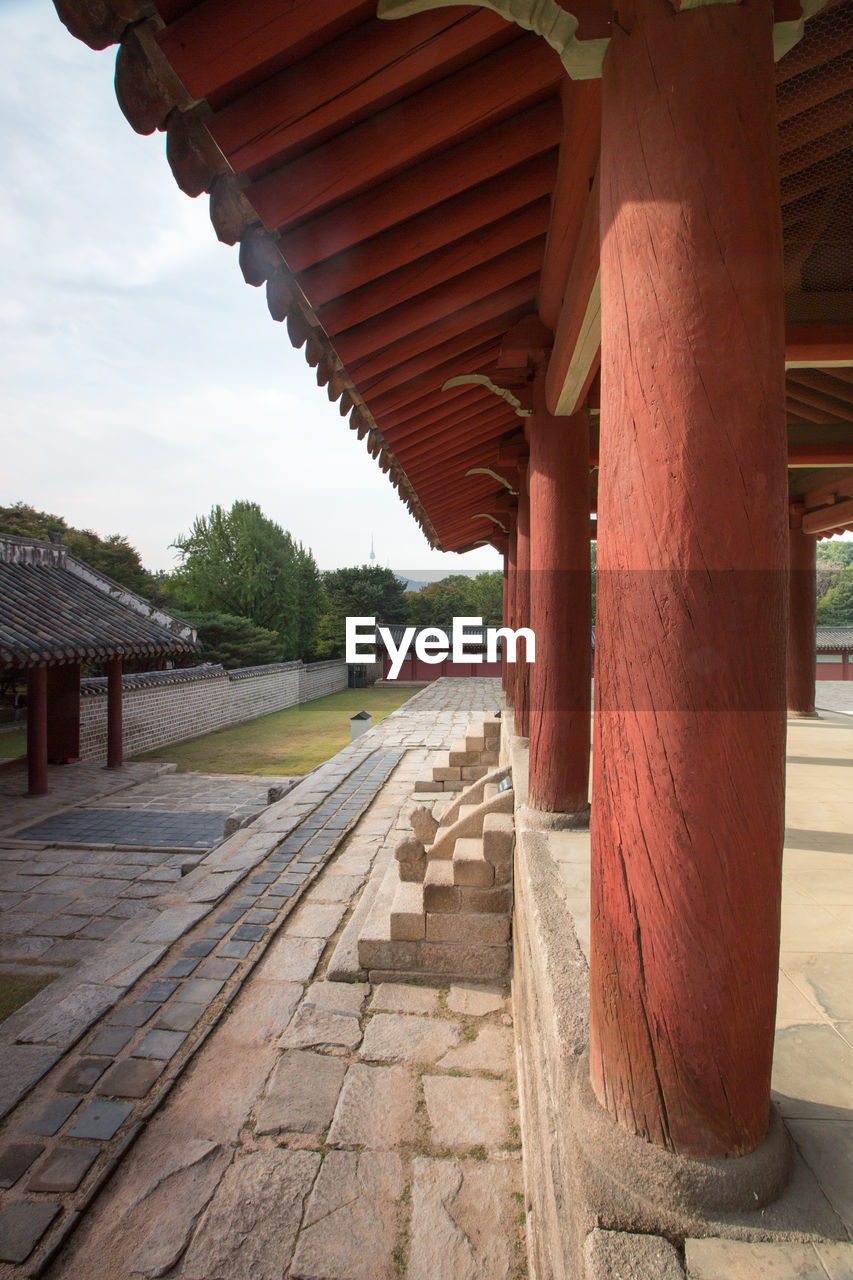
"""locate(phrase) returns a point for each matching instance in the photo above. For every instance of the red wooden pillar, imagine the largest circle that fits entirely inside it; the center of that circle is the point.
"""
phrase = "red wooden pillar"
(504, 619)
(510, 605)
(522, 603)
(687, 819)
(560, 609)
(37, 731)
(63, 713)
(115, 750)
(802, 631)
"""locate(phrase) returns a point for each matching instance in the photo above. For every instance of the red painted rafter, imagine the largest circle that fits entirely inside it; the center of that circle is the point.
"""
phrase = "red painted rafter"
(517, 76)
(436, 179)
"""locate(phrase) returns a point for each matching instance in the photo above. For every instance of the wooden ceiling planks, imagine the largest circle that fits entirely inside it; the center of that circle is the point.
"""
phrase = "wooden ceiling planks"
(411, 177)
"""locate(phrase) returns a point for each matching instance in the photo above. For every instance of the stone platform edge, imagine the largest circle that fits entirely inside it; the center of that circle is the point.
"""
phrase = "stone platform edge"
(614, 1215)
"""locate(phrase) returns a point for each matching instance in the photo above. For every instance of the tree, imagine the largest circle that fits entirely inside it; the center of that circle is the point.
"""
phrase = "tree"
(241, 563)
(458, 596)
(366, 591)
(833, 555)
(835, 609)
(113, 556)
(232, 641)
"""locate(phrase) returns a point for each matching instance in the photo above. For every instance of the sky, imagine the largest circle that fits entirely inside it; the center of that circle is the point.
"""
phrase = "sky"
(141, 380)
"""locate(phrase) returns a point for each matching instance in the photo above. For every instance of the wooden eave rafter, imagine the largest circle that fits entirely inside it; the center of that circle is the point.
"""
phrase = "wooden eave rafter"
(409, 192)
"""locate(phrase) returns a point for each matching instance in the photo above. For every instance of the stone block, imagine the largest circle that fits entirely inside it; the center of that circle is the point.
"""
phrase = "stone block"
(471, 772)
(322, 1029)
(498, 837)
(352, 1220)
(493, 1050)
(16, 1159)
(395, 997)
(467, 1112)
(396, 1037)
(614, 1255)
(64, 1169)
(22, 1225)
(130, 1079)
(407, 921)
(301, 1094)
(487, 931)
(475, 740)
(476, 1001)
(470, 867)
(493, 901)
(63, 1024)
(440, 893)
(460, 755)
(427, 786)
(446, 773)
(376, 1109)
(456, 1205)
(490, 758)
(492, 733)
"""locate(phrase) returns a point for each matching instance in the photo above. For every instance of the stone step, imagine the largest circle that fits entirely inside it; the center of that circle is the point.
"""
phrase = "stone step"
(475, 740)
(470, 866)
(440, 893)
(407, 918)
(498, 838)
(468, 930)
(492, 733)
(459, 753)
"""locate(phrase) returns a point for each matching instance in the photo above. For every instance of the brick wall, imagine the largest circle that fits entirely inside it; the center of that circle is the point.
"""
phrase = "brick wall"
(162, 707)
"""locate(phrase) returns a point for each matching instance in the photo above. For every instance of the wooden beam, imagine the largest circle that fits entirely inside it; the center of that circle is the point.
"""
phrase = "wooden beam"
(443, 409)
(438, 305)
(820, 455)
(463, 104)
(420, 275)
(218, 42)
(820, 400)
(818, 345)
(344, 81)
(835, 517)
(467, 353)
(444, 446)
(509, 304)
(578, 336)
(460, 169)
(579, 147)
(463, 215)
(830, 384)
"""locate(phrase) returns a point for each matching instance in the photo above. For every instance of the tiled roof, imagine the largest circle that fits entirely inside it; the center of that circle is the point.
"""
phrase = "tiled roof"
(55, 609)
(835, 638)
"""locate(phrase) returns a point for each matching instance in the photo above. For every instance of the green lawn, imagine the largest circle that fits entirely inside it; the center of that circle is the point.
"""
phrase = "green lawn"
(287, 742)
(13, 744)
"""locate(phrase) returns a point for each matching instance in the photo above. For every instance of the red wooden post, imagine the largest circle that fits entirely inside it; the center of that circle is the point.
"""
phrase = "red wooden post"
(63, 713)
(115, 750)
(522, 603)
(802, 633)
(510, 606)
(687, 820)
(560, 609)
(37, 731)
(504, 609)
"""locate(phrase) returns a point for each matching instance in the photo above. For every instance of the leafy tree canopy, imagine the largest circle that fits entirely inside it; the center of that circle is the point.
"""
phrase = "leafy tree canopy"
(459, 596)
(113, 556)
(241, 563)
(233, 642)
(365, 591)
(835, 609)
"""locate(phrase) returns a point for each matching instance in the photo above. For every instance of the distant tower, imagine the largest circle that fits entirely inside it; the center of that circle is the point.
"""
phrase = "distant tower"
(372, 552)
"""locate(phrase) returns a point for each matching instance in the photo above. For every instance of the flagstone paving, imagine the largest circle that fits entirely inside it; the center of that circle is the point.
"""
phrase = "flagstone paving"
(180, 970)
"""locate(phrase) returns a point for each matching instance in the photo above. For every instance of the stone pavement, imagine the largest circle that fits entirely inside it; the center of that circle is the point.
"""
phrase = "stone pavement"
(813, 1058)
(112, 1046)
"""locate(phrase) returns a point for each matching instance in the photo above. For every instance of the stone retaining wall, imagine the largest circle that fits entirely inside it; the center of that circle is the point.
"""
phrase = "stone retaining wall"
(162, 707)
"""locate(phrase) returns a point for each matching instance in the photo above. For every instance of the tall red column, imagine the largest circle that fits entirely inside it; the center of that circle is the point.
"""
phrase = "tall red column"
(802, 631)
(504, 614)
(522, 603)
(115, 749)
(560, 609)
(510, 605)
(688, 772)
(37, 731)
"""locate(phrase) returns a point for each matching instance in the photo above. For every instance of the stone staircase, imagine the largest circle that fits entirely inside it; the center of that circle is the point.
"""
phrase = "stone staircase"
(467, 760)
(444, 910)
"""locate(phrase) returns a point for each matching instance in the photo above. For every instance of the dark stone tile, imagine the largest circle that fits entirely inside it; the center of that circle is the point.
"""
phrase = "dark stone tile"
(199, 991)
(130, 1079)
(159, 990)
(249, 933)
(161, 1045)
(51, 1117)
(180, 1016)
(100, 1120)
(280, 892)
(246, 903)
(266, 878)
(231, 916)
(22, 1225)
(216, 931)
(110, 1041)
(235, 950)
(183, 968)
(264, 915)
(80, 1077)
(64, 1169)
(216, 968)
(134, 1015)
(16, 1159)
(199, 948)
